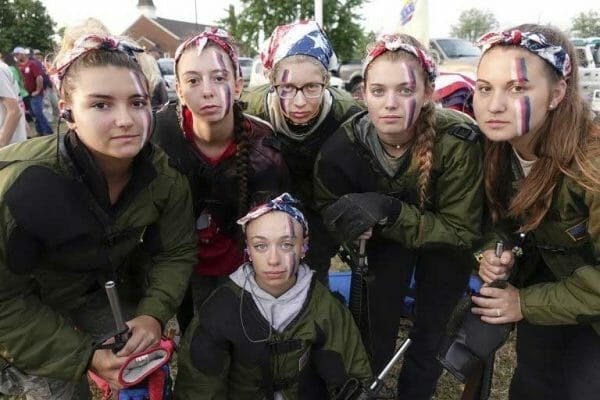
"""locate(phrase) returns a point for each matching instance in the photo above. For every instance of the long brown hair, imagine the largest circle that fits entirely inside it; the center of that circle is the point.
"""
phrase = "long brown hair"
(568, 142)
(422, 146)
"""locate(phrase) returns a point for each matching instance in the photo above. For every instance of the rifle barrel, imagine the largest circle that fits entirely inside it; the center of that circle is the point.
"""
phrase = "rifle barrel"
(390, 364)
(115, 306)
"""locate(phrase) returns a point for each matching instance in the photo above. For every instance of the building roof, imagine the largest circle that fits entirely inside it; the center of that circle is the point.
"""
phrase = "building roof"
(180, 28)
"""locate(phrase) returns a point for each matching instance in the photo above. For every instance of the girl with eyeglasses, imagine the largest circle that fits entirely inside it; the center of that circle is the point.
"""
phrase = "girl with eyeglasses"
(304, 111)
(407, 176)
(272, 331)
(229, 157)
(542, 181)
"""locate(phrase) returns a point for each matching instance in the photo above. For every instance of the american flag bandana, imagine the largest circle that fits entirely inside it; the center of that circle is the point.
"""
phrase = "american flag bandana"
(285, 203)
(300, 38)
(391, 42)
(84, 45)
(218, 36)
(532, 41)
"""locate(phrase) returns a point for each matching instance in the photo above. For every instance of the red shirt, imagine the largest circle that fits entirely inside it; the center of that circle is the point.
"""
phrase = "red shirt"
(218, 254)
(30, 71)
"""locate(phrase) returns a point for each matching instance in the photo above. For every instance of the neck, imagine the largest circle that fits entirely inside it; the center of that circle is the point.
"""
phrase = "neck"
(116, 171)
(524, 146)
(213, 137)
(396, 144)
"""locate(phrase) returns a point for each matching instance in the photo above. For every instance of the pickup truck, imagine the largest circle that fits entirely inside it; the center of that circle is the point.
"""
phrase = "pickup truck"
(450, 54)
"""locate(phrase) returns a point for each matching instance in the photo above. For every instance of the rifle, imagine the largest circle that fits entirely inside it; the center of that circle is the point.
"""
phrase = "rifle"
(354, 390)
(360, 284)
(479, 384)
(122, 330)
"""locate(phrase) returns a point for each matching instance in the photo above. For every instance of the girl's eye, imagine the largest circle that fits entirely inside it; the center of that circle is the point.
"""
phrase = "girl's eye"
(406, 91)
(287, 245)
(377, 92)
(192, 81)
(139, 103)
(100, 106)
(517, 89)
(483, 89)
(260, 247)
(220, 78)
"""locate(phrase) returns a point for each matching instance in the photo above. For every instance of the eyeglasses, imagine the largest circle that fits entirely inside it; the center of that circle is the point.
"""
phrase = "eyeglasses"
(311, 90)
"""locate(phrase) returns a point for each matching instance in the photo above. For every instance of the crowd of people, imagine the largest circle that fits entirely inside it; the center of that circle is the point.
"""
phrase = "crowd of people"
(224, 208)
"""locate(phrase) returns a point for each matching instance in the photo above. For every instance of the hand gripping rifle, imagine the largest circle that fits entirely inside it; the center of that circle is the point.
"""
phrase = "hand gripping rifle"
(354, 390)
(121, 334)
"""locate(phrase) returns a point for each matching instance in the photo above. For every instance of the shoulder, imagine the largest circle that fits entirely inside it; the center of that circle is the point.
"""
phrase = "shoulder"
(343, 139)
(254, 98)
(164, 169)
(456, 124)
(223, 301)
(344, 105)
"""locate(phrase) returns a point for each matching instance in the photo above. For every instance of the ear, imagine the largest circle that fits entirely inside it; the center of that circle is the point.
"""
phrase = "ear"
(558, 93)
(62, 105)
(238, 87)
(304, 247)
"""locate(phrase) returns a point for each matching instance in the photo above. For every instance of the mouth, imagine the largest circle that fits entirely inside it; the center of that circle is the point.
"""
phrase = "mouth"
(125, 137)
(210, 108)
(494, 123)
(275, 274)
(391, 117)
(299, 114)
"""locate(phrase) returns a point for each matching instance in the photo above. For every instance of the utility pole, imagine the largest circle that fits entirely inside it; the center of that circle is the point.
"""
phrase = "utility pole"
(319, 12)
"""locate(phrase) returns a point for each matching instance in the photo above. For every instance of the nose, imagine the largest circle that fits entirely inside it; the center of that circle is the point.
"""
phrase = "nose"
(299, 99)
(207, 88)
(497, 102)
(273, 256)
(124, 119)
(391, 101)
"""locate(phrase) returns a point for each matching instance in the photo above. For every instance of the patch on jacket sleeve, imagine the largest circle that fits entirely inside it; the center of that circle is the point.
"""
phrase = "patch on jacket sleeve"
(579, 231)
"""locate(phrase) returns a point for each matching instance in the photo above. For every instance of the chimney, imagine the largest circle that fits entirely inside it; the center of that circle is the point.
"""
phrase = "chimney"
(146, 7)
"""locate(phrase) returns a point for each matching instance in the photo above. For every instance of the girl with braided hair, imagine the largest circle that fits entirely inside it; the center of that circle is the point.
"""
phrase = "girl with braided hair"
(407, 176)
(228, 157)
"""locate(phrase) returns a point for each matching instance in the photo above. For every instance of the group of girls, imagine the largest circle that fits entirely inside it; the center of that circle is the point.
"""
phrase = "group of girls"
(149, 199)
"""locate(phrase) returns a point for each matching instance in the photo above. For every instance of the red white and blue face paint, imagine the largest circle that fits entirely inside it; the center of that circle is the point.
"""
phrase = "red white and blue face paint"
(522, 104)
(225, 92)
(146, 113)
(292, 259)
(410, 104)
(284, 103)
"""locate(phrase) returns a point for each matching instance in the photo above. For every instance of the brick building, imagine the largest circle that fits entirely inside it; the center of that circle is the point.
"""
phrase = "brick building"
(166, 34)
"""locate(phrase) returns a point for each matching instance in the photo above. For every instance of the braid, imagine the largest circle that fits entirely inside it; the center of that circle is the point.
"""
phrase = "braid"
(424, 150)
(241, 126)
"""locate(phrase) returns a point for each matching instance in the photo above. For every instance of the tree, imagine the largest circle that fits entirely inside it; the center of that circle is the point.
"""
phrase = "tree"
(258, 18)
(473, 23)
(586, 24)
(25, 23)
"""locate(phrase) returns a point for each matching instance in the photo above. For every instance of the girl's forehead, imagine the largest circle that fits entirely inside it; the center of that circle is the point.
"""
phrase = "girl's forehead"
(299, 68)
(210, 58)
(274, 223)
(499, 58)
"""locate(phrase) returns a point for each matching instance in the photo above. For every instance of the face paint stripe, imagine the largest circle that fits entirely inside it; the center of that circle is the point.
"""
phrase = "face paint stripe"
(283, 103)
(227, 99)
(222, 92)
(526, 113)
(146, 115)
(411, 106)
(523, 69)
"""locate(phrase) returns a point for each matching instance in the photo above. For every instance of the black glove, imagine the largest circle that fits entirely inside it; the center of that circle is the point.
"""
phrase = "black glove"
(469, 340)
(354, 213)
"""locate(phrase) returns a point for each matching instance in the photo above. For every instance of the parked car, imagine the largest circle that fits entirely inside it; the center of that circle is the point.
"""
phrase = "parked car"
(167, 70)
(455, 55)
(246, 67)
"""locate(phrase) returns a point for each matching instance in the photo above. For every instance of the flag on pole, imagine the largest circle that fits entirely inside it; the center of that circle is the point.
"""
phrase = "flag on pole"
(407, 12)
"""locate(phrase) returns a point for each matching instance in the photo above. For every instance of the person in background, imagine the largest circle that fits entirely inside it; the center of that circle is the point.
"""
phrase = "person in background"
(49, 90)
(272, 331)
(542, 181)
(407, 176)
(304, 111)
(229, 157)
(12, 120)
(33, 79)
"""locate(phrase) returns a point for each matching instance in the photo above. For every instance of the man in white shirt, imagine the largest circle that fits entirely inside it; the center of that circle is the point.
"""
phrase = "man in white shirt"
(13, 127)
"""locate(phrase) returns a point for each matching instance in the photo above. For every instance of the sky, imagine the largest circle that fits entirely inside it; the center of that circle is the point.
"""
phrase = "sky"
(378, 15)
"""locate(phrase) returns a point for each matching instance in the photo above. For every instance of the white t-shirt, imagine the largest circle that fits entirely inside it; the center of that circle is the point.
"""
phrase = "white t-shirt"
(10, 89)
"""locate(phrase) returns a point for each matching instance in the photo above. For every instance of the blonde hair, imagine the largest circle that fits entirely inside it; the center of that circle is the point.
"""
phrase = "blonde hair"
(297, 59)
(422, 146)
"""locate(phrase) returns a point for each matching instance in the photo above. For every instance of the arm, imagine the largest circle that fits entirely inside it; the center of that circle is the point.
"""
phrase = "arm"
(574, 299)
(13, 113)
(167, 279)
(33, 337)
(457, 204)
(342, 356)
(199, 348)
